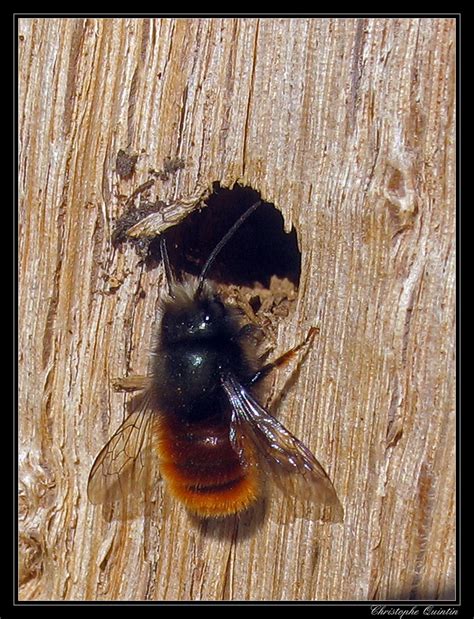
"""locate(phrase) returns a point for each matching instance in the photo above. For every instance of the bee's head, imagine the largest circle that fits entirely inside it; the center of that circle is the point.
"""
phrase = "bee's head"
(195, 312)
(202, 318)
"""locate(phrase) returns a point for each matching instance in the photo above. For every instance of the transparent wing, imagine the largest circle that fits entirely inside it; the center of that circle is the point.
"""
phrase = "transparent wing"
(282, 456)
(125, 465)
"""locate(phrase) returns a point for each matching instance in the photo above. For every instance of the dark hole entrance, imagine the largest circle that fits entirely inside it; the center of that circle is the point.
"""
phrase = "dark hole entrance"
(259, 249)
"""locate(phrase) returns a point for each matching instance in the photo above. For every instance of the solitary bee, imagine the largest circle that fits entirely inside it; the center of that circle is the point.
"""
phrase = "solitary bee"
(200, 417)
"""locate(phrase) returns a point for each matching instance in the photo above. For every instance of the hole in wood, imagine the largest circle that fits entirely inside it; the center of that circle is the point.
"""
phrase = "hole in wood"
(259, 250)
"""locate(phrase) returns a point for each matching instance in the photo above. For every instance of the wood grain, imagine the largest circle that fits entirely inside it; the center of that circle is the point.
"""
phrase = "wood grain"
(348, 127)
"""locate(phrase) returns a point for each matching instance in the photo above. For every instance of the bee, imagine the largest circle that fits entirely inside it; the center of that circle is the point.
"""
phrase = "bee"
(200, 417)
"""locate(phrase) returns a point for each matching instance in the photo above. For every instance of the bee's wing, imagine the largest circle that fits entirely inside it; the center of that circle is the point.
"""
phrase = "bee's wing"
(282, 456)
(125, 464)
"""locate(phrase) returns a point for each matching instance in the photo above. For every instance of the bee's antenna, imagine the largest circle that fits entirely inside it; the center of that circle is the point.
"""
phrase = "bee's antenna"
(169, 276)
(221, 244)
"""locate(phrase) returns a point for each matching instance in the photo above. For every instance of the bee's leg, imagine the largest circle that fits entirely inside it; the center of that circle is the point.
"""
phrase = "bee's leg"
(131, 383)
(284, 359)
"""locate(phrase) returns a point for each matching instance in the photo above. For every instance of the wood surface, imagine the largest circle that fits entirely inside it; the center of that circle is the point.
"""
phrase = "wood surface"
(347, 126)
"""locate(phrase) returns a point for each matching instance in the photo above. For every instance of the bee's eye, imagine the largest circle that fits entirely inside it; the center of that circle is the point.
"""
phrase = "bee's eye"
(216, 309)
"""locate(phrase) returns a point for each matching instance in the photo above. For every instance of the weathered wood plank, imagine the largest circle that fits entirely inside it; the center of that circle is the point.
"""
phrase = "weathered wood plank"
(348, 127)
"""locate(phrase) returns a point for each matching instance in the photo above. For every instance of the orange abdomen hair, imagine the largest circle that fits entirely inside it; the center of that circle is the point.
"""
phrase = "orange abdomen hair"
(201, 468)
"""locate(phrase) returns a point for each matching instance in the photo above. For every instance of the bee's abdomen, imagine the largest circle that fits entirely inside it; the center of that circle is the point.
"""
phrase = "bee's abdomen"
(201, 468)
